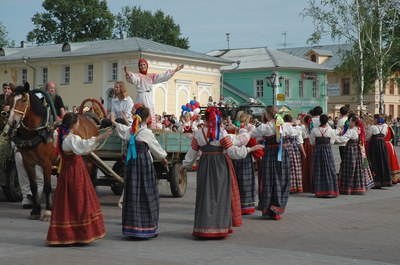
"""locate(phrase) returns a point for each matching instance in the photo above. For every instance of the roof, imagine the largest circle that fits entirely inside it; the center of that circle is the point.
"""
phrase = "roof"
(264, 58)
(99, 47)
(335, 51)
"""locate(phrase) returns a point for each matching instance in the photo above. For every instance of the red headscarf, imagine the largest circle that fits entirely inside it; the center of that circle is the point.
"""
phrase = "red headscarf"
(147, 66)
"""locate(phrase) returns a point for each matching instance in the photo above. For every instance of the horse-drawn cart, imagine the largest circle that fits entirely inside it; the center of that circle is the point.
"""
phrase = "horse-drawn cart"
(175, 144)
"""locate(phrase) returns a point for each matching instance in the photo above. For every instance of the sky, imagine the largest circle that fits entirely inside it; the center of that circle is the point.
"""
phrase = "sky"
(251, 23)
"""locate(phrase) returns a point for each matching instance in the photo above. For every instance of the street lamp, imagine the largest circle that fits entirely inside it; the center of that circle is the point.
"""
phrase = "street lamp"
(272, 82)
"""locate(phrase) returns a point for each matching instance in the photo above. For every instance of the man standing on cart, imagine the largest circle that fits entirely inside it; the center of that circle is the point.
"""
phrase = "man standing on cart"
(144, 83)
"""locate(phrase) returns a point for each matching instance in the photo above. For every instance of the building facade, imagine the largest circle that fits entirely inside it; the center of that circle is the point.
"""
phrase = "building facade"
(274, 78)
(90, 69)
(340, 88)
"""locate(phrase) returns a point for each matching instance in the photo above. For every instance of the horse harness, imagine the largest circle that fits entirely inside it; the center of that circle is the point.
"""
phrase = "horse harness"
(44, 131)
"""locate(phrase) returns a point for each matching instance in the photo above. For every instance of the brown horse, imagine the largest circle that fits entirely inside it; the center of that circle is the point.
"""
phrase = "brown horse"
(33, 135)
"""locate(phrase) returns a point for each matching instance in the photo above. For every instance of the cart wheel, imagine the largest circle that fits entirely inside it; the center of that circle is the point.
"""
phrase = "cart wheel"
(118, 187)
(178, 182)
(12, 190)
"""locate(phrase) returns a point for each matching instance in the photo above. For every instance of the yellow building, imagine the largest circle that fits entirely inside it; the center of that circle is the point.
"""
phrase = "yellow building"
(89, 69)
(340, 87)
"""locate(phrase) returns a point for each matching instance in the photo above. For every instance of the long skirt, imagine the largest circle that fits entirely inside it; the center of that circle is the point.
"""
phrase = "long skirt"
(295, 165)
(76, 215)
(352, 179)
(275, 179)
(379, 161)
(214, 195)
(324, 174)
(141, 206)
(307, 167)
(245, 174)
(394, 163)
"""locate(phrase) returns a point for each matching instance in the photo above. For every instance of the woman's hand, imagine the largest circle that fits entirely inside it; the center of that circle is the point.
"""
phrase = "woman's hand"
(127, 72)
(179, 67)
(256, 147)
(164, 162)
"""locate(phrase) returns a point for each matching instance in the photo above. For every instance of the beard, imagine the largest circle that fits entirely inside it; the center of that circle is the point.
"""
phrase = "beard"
(53, 96)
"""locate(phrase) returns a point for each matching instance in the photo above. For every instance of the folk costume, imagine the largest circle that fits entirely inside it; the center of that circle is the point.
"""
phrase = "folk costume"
(245, 174)
(306, 162)
(325, 181)
(141, 206)
(76, 215)
(144, 83)
(394, 164)
(275, 169)
(217, 195)
(352, 180)
(293, 149)
(378, 155)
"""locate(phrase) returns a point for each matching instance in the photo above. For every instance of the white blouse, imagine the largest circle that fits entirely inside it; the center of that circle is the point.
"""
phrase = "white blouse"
(269, 128)
(77, 145)
(235, 151)
(327, 132)
(377, 129)
(143, 135)
(122, 106)
(351, 134)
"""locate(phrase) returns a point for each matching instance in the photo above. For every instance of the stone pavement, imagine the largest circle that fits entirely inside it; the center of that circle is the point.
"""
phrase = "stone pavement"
(346, 230)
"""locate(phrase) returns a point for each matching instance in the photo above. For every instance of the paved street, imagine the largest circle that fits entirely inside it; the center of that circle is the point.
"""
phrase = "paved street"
(345, 230)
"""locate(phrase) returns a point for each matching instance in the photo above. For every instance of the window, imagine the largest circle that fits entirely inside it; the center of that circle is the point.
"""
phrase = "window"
(287, 88)
(89, 73)
(315, 89)
(313, 58)
(114, 72)
(66, 75)
(259, 88)
(24, 76)
(391, 110)
(346, 87)
(391, 87)
(44, 75)
(301, 88)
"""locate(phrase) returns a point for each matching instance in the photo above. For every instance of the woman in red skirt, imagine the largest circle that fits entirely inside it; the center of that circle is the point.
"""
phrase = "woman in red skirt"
(76, 216)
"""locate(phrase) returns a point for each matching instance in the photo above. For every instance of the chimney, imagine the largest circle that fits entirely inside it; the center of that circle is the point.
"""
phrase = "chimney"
(123, 35)
(22, 44)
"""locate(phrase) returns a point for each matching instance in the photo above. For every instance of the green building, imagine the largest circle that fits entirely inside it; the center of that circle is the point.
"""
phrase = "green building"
(273, 78)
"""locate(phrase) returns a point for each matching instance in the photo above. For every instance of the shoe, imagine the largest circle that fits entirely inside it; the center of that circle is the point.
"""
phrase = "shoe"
(27, 206)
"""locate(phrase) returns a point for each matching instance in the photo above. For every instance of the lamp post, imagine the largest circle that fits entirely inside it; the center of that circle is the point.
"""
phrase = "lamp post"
(273, 82)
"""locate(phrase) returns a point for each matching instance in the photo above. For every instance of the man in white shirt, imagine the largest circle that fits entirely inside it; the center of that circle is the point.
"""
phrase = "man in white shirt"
(340, 126)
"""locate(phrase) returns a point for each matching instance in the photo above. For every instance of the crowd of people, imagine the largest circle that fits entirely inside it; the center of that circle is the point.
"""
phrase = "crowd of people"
(243, 165)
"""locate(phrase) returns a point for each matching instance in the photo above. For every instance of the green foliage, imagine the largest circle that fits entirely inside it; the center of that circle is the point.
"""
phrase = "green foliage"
(72, 21)
(157, 27)
(3, 36)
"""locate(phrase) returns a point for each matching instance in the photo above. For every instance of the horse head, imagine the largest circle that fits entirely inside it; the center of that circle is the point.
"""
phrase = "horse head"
(19, 102)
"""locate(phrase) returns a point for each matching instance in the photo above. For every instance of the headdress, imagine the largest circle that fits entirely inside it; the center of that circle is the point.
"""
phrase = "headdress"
(62, 131)
(214, 123)
(147, 66)
(131, 152)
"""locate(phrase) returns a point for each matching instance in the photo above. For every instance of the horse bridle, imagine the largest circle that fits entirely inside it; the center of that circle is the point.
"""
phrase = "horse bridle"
(22, 112)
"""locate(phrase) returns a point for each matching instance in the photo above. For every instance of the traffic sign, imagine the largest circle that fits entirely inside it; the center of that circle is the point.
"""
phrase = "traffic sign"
(280, 97)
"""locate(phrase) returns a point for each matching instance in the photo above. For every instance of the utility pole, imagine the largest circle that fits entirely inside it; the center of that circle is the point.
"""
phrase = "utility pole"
(227, 38)
(284, 38)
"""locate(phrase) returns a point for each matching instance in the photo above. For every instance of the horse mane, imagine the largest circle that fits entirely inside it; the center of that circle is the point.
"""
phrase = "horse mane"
(36, 104)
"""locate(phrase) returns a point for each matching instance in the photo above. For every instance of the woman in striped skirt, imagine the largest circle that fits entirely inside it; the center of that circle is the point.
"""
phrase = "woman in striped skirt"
(141, 206)
(324, 173)
(217, 200)
(352, 179)
(275, 169)
(244, 170)
(378, 153)
(293, 147)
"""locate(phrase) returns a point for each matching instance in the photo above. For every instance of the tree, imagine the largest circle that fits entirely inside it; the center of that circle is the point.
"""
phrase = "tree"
(3, 36)
(157, 27)
(362, 25)
(72, 21)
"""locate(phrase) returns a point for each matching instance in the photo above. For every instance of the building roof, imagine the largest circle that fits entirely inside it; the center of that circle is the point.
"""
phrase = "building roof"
(99, 47)
(334, 51)
(264, 58)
